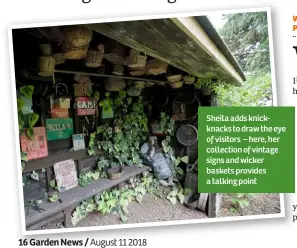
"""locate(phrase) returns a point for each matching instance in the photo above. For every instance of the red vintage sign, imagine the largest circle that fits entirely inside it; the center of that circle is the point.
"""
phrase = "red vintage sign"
(85, 106)
(59, 113)
(37, 147)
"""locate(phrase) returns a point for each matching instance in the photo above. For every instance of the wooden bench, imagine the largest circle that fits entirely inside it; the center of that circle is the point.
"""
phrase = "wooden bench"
(70, 199)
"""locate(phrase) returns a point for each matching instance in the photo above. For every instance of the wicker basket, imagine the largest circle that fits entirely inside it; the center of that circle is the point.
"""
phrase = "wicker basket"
(81, 89)
(81, 78)
(78, 35)
(116, 53)
(136, 60)
(176, 85)
(189, 79)
(118, 70)
(161, 83)
(139, 84)
(46, 66)
(115, 173)
(156, 67)
(137, 71)
(59, 58)
(149, 84)
(174, 78)
(114, 84)
(46, 49)
(72, 52)
(94, 58)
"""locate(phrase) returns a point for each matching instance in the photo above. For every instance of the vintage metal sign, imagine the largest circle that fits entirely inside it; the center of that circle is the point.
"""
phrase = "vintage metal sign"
(66, 175)
(36, 147)
(60, 113)
(85, 106)
(59, 128)
(78, 142)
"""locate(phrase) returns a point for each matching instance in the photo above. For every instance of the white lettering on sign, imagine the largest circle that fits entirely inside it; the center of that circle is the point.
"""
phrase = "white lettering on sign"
(86, 105)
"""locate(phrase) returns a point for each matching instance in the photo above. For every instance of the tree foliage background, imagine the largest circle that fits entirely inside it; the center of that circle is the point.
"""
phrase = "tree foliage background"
(246, 35)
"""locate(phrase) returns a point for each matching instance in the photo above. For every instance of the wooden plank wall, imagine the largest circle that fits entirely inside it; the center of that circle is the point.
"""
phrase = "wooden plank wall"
(162, 39)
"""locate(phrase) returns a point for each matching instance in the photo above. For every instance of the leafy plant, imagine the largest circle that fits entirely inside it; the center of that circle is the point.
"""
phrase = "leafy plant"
(106, 103)
(54, 197)
(177, 194)
(53, 184)
(24, 159)
(88, 177)
(35, 175)
(240, 200)
(121, 143)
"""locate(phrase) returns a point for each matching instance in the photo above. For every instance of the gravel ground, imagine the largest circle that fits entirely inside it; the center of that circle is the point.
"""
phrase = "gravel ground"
(151, 210)
(259, 204)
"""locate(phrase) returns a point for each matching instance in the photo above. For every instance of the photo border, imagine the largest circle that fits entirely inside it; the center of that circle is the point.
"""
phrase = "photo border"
(119, 19)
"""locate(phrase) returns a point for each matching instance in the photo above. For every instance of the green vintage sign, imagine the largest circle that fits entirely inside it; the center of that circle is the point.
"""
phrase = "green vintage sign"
(59, 128)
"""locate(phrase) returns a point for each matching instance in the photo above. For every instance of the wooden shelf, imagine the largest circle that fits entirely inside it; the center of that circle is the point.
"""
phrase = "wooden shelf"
(78, 194)
(48, 161)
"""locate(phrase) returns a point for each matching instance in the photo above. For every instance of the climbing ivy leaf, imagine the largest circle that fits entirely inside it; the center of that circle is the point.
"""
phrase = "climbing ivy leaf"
(33, 118)
(27, 91)
(35, 176)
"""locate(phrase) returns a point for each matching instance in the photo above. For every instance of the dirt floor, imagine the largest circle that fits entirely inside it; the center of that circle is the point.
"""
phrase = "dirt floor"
(154, 210)
(259, 204)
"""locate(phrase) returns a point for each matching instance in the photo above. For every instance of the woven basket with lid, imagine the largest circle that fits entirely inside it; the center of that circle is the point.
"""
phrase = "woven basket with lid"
(73, 52)
(94, 58)
(116, 53)
(46, 66)
(114, 84)
(156, 67)
(78, 35)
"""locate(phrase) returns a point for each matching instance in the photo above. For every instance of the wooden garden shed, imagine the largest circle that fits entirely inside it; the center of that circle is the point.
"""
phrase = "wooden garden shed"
(189, 46)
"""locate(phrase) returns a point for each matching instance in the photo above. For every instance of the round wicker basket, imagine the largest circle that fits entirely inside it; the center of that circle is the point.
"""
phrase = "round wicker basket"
(139, 84)
(46, 66)
(174, 78)
(118, 70)
(73, 52)
(78, 35)
(94, 58)
(176, 85)
(156, 67)
(149, 84)
(116, 53)
(114, 84)
(189, 79)
(59, 58)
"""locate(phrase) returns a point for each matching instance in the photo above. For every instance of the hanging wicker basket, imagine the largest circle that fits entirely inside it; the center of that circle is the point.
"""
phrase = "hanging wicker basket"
(81, 89)
(176, 85)
(59, 58)
(137, 71)
(174, 78)
(114, 84)
(149, 84)
(46, 49)
(78, 35)
(46, 66)
(81, 78)
(156, 67)
(73, 52)
(189, 79)
(139, 84)
(116, 53)
(118, 70)
(94, 58)
(136, 59)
